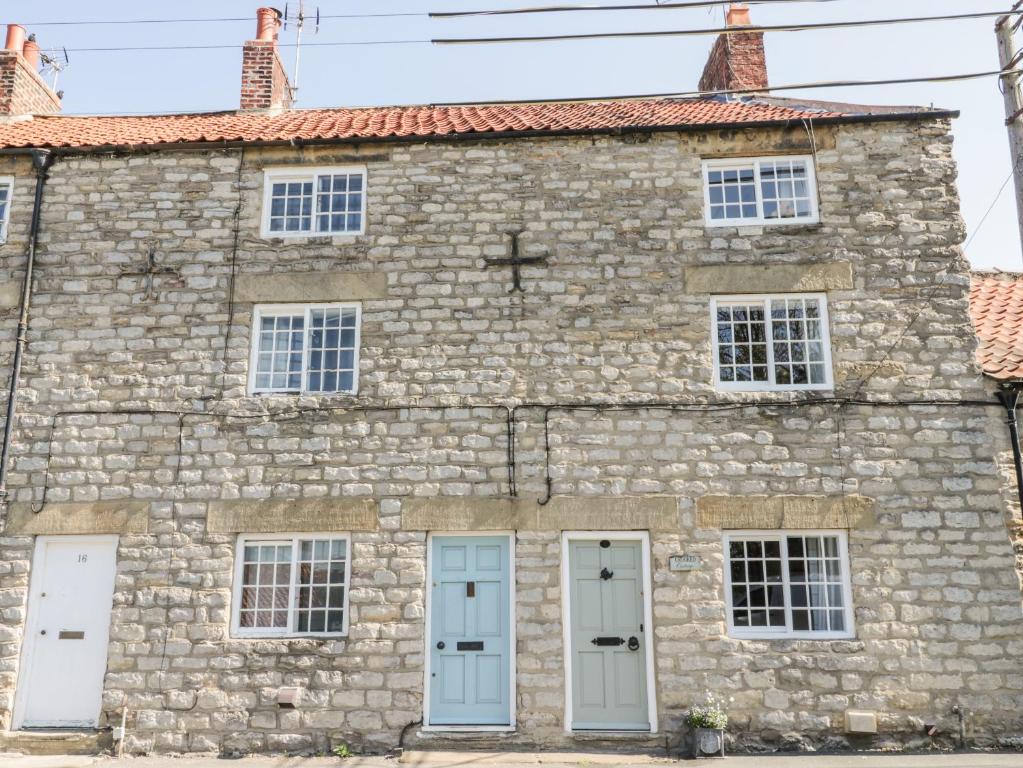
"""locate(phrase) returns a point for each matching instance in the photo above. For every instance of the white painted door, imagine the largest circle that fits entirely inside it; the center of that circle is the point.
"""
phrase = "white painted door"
(65, 655)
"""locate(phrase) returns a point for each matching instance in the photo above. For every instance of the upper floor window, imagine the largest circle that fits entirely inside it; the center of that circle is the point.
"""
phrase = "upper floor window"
(311, 348)
(289, 584)
(771, 342)
(767, 190)
(788, 584)
(6, 190)
(314, 201)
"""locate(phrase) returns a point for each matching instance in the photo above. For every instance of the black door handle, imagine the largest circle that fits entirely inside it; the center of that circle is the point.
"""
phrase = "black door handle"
(633, 643)
(440, 646)
(614, 641)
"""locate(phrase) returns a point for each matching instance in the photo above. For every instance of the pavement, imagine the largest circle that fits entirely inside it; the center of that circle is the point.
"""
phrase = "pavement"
(520, 759)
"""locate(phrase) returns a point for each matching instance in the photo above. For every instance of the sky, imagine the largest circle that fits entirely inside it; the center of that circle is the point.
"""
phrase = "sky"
(421, 72)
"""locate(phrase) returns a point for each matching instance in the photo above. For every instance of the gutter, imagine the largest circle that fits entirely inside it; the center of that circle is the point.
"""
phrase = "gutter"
(491, 135)
(1008, 395)
(41, 162)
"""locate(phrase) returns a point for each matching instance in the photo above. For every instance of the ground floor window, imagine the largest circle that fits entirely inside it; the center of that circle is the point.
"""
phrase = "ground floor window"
(788, 584)
(289, 584)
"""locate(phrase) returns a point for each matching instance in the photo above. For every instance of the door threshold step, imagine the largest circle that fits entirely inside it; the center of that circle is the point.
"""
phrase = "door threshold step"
(634, 736)
(55, 741)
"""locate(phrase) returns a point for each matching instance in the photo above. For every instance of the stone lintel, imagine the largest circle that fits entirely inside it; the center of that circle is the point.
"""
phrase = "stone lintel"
(293, 515)
(288, 287)
(769, 278)
(79, 518)
(563, 513)
(784, 512)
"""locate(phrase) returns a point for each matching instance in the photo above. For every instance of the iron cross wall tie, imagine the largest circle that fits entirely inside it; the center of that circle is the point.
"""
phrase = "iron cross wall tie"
(516, 261)
(148, 273)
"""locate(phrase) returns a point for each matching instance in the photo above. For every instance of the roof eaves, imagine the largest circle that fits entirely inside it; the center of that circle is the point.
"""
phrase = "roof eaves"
(912, 116)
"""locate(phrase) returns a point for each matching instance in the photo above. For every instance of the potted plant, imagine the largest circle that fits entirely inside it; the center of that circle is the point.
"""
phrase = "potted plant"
(707, 723)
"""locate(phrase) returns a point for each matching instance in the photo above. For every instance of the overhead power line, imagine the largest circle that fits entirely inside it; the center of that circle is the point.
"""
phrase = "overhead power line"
(761, 91)
(724, 30)
(630, 7)
(673, 94)
(99, 22)
(586, 36)
(436, 15)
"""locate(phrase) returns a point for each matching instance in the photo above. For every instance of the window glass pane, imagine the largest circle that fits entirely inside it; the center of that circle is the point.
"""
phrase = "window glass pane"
(815, 589)
(321, 576)
(5, 201)
(742, 348)
(332, 349)
(290, 206)
(339, 202)
(755, 567)
(785, 189)
(798, 339)
(816, 583)
(279, 354)
(732, 194)
(265, 584)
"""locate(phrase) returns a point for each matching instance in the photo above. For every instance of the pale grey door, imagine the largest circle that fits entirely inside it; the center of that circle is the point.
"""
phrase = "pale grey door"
(609, 689)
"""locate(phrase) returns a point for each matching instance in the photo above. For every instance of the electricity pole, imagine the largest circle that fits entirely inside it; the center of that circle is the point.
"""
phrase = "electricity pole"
(1009, 59)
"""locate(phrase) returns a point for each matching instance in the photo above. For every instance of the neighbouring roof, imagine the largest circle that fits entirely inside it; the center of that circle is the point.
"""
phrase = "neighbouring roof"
(437, 122)
(996, 306)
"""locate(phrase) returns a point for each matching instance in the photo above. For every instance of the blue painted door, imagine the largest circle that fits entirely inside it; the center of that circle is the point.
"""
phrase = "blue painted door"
(470, 641)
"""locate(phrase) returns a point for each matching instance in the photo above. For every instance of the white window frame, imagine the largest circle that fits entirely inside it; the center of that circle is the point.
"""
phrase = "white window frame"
(260, 310)
(786, 632)
(741, 163)
(770, 386)
(294, 538)
(5, 220)
(303, 174)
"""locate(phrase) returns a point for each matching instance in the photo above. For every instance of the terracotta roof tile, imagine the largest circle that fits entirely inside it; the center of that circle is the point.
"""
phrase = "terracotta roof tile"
(996, 306)
(416, 121)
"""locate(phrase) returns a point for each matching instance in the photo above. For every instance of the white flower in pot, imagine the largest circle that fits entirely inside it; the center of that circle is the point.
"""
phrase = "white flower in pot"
(707, 723)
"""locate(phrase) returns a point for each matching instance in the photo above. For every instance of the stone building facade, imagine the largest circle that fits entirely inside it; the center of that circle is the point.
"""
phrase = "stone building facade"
(572, 425)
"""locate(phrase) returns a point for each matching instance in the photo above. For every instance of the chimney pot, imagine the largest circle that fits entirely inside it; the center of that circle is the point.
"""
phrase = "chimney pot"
(15, 38)
(268, 24)
(738, 15)
(31, 52)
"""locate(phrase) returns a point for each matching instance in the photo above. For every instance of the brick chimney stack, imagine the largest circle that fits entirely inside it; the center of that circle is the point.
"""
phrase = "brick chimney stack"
(22, 90)
(264, 82)
(737, 61)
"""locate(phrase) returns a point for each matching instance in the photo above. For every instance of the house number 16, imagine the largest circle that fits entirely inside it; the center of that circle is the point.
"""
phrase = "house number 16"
(83, 558)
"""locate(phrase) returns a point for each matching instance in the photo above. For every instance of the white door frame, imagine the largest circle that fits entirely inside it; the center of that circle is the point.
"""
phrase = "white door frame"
(31, 625)
(648, 619)
(511, 629)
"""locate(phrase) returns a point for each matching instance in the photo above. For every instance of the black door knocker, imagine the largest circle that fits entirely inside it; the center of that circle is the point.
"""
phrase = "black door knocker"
(605, 574)
(633, 643)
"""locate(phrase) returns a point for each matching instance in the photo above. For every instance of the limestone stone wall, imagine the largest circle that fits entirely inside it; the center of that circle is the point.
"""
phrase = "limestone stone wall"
(134, 393)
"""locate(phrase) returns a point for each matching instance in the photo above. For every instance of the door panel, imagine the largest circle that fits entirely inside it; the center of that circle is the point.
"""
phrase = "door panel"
(69, 625)
(470, 583)
(609, 688)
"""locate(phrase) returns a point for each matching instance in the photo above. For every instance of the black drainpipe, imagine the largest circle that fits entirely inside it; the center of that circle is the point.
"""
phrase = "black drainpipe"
(41, 161)
(1008, 395)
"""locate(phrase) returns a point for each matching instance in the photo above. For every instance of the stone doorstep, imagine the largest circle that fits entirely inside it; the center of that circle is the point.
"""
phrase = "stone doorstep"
(56, 742)
(454, 759)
